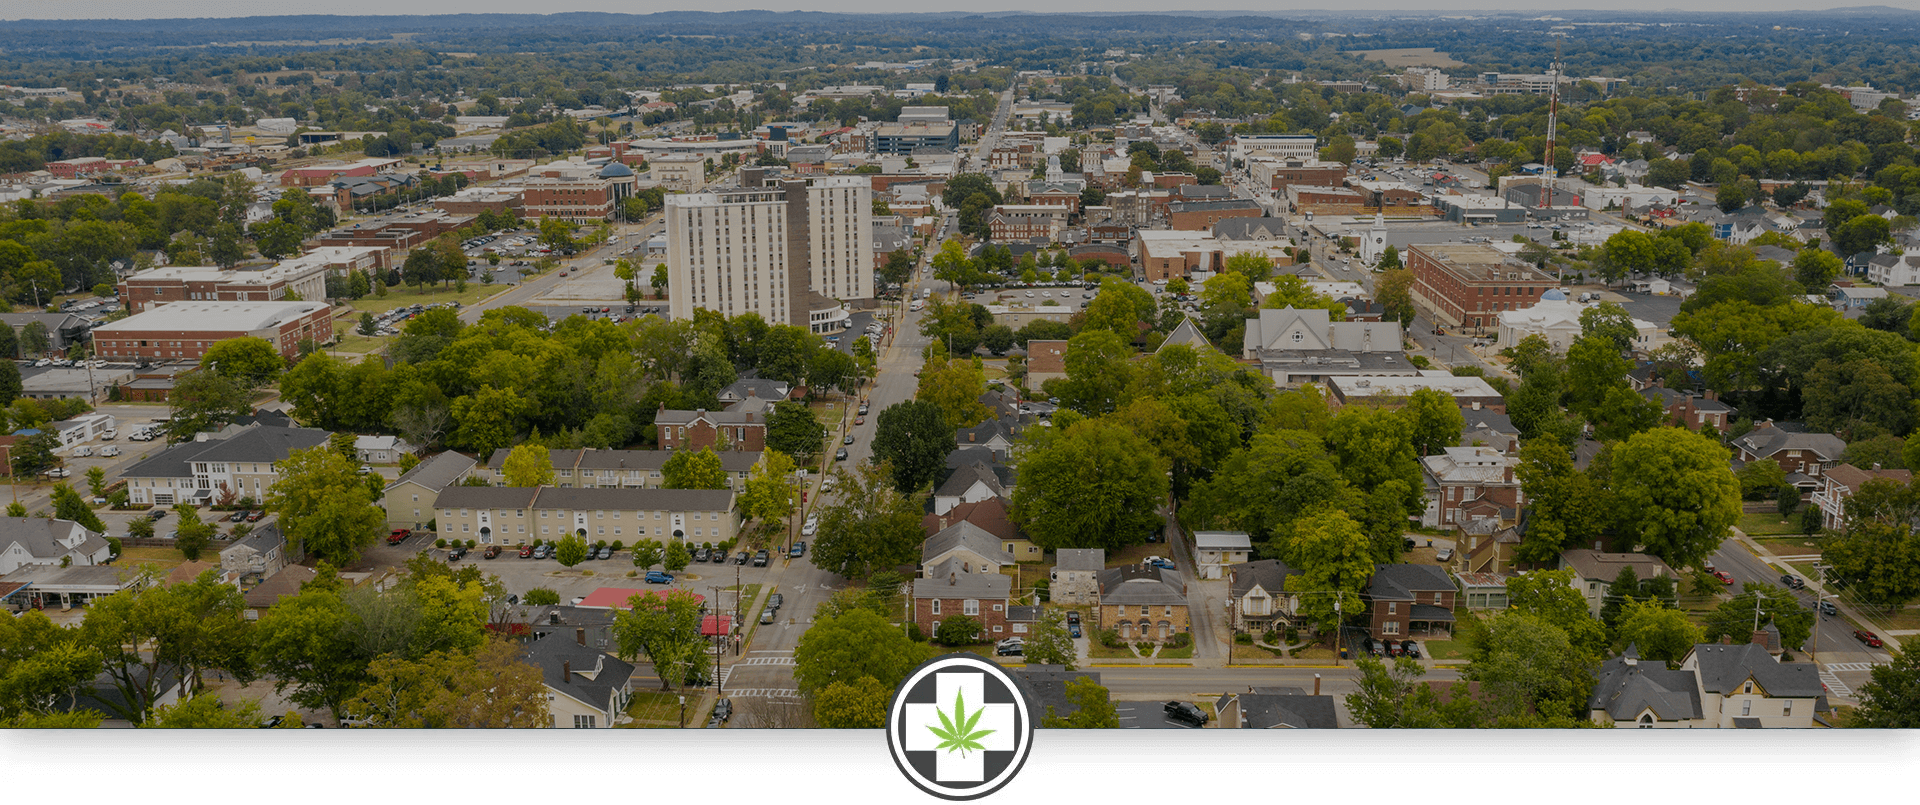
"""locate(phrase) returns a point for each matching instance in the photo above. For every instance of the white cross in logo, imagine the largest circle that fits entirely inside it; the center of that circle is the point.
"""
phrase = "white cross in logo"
(952, 766)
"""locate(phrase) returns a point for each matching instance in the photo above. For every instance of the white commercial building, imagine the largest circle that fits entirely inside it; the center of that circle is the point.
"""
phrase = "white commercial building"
(1557, 319)
(1279, 146)
(794, 253)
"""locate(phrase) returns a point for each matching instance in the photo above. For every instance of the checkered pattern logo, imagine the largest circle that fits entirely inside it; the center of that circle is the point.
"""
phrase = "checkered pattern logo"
(959, 727)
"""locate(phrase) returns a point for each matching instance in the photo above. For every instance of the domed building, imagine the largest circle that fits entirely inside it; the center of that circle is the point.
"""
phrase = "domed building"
(622, 180)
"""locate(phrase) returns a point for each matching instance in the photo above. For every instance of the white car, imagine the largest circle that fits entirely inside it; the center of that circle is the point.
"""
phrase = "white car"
(110, 451)
(808, 529)
(110, 434)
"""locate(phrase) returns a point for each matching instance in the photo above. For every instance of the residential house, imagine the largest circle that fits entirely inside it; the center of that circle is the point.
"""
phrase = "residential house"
(1628, 692)
(1691, 410)
(1393, 390)
(1295, 346)
(514, 515)
(1215, 550)
(753, 387)
(1257, 599)
(591, 468)
(1046, 360)
(1788, 445)
(586, 688)
(409, 500)
(947, 591)
(1409, 599)
(971, 483)
(1187, 333)
(991, 516)
(1142, 602)
(1484, 591)
(1893, 269)
(1470, 483)
(381, 449)
(1484, 546)
(63, 329)
(720, 430)
(1745, 686)
(1594, 572)
(1839, 484)
(1484, 427)
(991, 434)
(1075, 576)
(965, 546)
(47, 541)
(285, 583)
(1271, 708)
(257, 557)
(1557, 319)
(245, 464)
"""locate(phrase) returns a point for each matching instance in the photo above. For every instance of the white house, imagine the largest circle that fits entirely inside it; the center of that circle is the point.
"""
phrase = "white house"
(381, 449)
(1215, 550)
(46, 541)
(586, 688)
(970, 483)
(1557, 319)
(1073, 578)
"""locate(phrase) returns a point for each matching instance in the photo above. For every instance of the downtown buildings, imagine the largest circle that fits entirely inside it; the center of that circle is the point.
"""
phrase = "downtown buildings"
(795, 251)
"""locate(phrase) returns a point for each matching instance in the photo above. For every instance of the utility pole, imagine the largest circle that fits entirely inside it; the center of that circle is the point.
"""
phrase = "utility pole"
(719, 683)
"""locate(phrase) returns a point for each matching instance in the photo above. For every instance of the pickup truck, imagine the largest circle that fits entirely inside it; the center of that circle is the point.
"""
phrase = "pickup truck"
(399, 535)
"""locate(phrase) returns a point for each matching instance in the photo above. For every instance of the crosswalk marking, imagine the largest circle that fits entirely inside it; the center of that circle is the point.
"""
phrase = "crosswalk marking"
(1835, 687)
(764, 693)
(1850, 666)
(765, 661)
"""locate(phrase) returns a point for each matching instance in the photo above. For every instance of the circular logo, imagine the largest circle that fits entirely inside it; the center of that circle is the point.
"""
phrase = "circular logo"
(959, 727)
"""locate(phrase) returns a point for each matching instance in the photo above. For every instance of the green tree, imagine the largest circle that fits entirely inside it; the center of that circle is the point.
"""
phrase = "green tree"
(1394, 290)
(664, 627)
(193, 535)
(1735, 618)
(1875, 555)
(148, 633)
(1092, 707)
(957, 630)
(1660, 632)
(204, 401)
(35, 340)
(34, 454)
(570, 550)
(1048, 642)
(1374, 446)
(871, 526)
(1760, 479)
(1676, 490)
(1815, 269)
(912, 439)
(251, 362)
(1551, 597)
(325, 506)
(529, 465)
(1891, 698)
(768, 493)
(67, 505)
(305, 642)
(647, 553)
(852, 704)
(205, 711)
(97, 480)
(1437, 420)
(954, 386)
(488, 688)
(1094, 485)
(1118, 307)
(487, 419)
(793, 429)
(689, 469)
(1522, 662)
(675, 556)
(43, 667)
(1335, 560)
(10, 382)
(858, 643)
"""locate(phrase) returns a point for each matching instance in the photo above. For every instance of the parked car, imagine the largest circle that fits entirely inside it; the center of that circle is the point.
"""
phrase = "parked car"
(1410, 649)
(799, 549)
(719, 556)
(840, 455)
(542, 552)
(1872, 640)
(1073, 629)
(455, 554)
(526, 551)
(398, 536)
(776, 600)
(158, 514)
(1073, 616)
(605, 553)
(1723, 576)
(62, 472)
(1185, 713)
(1827, 608)
(255, 515)
(1010, 647)
(491, 552)
(766, 616)
(809, 528)
(659, 577)
(848, 440)
(702, 554)
(760, 559)
(743, 558)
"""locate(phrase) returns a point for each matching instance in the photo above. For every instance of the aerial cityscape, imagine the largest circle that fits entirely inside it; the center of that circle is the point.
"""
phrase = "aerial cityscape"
(1201, 370)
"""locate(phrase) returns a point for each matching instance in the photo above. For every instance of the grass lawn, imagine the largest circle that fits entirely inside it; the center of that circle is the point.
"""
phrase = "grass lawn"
(1171, 653)
(1241, 652)
(1902, 619)
(162, 559)
(402, 295)
(354, 342)
(1135, 554)
(1795, 545)
(1753, 523)
(658, 709)
(1315, 652)
(1443, 649)
(1100, 652)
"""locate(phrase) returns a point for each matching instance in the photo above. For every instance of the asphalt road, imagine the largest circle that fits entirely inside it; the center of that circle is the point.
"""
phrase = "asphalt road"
(1833, 640)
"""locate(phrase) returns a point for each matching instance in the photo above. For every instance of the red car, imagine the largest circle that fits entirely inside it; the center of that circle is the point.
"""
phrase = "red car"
(1723, 576)
(399, 535)
(526, 551)
(1872, 640)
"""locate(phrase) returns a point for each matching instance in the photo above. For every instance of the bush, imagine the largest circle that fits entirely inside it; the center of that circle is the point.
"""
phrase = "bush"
(1243, 638)
(1110, 638)
(1787, 499)
(1293, 635)
(541, 597)
(618, 545)
(114, 546)
(433, 525)
(600, 544)
(957, 630)
(1181, 640)
(472, 544)
(440, 543)
(914, 633)
(1143, 646)
(632, 573)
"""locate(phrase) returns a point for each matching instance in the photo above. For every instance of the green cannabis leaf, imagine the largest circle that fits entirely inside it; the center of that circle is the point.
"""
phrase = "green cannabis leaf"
(959, 735)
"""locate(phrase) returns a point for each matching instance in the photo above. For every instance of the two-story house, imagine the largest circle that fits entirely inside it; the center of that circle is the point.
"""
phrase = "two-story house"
(1630, 692)
(1075, 577)
(971, 483)
(1215, 550)
(257, 557)
(991, 516)
(409, 499)
(1257, 598)
(47, 541)
(1405, 600)
(1470, 483)
(1691, 410)
(586, 688)
(516, 515)
(1142, 602)
(245, 464)
(1594, 572)
(966, 546)
(720, 430)
(1841, 481)
(1745, 686)
(1794, 449)
(948, 590)
(991, 434)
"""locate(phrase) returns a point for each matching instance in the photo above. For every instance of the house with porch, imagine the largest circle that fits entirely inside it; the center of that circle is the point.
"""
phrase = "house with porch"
(1791, 446)
(1142, 602)
(1840, 482)
(991, 434)
(381, 449)
(1410, 600)
(1257, 598)
(258, 557)
(970, 483)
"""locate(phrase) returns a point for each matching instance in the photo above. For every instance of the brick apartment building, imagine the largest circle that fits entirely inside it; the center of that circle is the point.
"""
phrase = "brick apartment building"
(89, 166)
(576, 199)
(1204, 214)
(184, 330)
(475, 200)
(1169, 254)
(325, 175)
(1409, 600)
(148, 289)
(720, 430)
(1025, 222)
(1469, 284)
(947, 591)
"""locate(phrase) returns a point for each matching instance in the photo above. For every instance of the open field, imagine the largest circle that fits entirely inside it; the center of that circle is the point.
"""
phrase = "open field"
(1409, 57)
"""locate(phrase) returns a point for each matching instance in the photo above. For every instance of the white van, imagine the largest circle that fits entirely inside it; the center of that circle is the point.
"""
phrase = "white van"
(83, 451)
(110, 451)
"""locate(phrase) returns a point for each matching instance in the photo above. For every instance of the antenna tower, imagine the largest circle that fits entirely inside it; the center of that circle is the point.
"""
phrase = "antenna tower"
(1551, 171)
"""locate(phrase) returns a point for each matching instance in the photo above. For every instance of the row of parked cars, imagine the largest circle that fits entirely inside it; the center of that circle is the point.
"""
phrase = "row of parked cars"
(1389, 649)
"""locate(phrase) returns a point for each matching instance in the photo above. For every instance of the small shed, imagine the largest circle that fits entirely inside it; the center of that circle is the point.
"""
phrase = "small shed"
(1215, 550)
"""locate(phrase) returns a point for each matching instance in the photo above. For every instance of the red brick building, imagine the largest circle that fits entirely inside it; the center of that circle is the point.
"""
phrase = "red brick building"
(567, 199)
(1410, 601)
(948, 592)
(1469, 284)
(89, 166)
(324, 175)
(148, 289)
(720, 430)
(1204, 214)
(1300, 171)
(184, 330)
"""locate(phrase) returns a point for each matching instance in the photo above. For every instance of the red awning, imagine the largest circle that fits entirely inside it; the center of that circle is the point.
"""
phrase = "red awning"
(716, 625)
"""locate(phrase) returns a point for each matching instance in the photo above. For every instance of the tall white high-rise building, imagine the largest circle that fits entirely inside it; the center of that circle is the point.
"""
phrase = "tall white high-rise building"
(794, 251)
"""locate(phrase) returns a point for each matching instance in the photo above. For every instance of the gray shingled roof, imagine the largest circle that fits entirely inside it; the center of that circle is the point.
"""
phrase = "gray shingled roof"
(966, 476)
(1049, 686)
(485, 497)
(1137, 584)
(437, 472)
(1723, 668)
(1625, 689)
(1764, 442)
(954, 584)
(553, 654)
(633, 498)
(1080, 559)
(982, 433)
(1400, 582)
(263, 444)
(967, 535)
(1269, 574)
(1271, 711)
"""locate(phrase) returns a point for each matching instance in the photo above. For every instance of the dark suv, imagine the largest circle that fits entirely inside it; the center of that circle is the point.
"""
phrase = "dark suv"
(760, 559)
(1185, 713)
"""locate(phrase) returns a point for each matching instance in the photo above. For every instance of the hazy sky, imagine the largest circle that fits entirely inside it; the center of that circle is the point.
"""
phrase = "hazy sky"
(134, 9)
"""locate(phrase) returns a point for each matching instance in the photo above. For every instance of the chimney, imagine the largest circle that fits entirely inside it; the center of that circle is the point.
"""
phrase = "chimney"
(952, 578)
(580, 635)
(1762, 639)
(1509, 473)
(943, 520)
(1316, 684)
(971, 438)
(1726, 640)
(566, 670)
